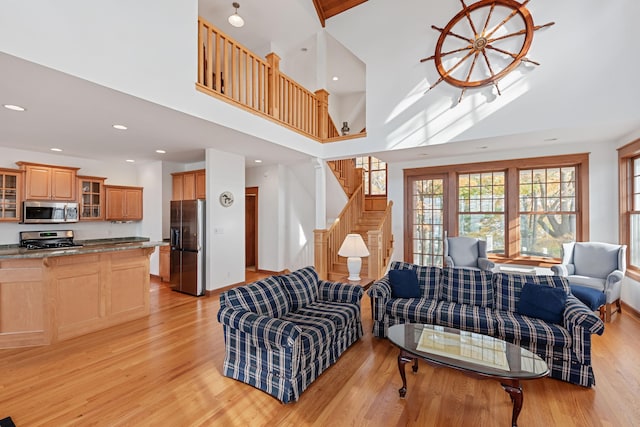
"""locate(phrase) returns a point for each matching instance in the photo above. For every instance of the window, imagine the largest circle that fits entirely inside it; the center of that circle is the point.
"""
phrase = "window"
(375, 175)
(481, 208)
(547, 210)
(524, 209)
(629, 170)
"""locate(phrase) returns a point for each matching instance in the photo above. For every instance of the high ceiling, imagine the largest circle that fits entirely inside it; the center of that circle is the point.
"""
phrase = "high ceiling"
(328, 8)
(583, 90)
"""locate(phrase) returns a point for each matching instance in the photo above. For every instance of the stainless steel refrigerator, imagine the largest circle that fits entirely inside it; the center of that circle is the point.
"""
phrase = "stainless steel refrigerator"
(188, 246)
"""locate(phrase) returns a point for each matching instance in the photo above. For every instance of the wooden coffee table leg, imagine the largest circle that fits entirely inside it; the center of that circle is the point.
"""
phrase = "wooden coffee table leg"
(515, 392)
(403, 359)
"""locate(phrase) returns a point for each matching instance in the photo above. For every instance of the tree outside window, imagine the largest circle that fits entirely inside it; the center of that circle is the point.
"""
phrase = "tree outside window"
(375, 175)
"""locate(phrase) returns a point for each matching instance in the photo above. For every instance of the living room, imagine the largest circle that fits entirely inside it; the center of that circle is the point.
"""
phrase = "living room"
(574, 88)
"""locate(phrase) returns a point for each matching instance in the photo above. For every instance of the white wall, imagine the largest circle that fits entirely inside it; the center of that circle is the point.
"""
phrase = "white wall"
(299, 214)
(225, 255)
(151, 225)
(117, 173)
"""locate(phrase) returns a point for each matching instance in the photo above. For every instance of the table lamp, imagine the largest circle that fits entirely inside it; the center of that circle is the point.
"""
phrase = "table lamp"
(353, 248)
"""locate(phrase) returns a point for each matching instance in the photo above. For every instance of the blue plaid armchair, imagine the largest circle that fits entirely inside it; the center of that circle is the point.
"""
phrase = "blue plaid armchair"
(282, 332)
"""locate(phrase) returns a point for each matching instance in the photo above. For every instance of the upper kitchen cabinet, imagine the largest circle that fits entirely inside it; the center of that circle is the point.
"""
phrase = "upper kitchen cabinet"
(10, 180)
(189, 185)
(46, 182)
(123, 203)
(91, 198)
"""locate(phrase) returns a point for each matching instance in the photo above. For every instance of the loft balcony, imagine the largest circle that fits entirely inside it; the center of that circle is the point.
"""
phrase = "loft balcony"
(229, 71)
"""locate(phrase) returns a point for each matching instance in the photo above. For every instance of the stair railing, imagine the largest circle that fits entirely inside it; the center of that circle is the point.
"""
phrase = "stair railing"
(349, 176)
(328, 242)
(380, 243)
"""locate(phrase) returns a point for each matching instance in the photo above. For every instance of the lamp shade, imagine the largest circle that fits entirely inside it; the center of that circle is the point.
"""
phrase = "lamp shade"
(236, 20)
(353, 246)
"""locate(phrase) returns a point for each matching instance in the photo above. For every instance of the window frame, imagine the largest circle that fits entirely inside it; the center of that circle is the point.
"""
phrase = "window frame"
(511, 169)
(626, 154)
(368, 169)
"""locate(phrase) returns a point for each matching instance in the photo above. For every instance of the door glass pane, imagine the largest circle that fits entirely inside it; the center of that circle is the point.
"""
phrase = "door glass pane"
(428, 217)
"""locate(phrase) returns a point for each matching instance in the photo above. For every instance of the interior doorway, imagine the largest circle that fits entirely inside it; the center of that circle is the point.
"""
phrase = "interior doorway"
(251, 228)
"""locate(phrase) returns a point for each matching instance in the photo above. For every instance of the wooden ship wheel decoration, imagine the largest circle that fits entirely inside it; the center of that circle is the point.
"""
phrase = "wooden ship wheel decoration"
(473, 52)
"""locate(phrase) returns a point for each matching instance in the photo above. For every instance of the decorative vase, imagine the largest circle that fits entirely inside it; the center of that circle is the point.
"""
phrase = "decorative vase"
(345, 128)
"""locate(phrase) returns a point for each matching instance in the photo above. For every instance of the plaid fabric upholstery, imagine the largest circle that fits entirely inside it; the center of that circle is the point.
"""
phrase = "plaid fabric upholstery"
(565, 348)
(262, 297)
(473, 318)
(428, 277)
(301, 286)
(283, 356)
(509, 286)
(465, 286)
(514, 326)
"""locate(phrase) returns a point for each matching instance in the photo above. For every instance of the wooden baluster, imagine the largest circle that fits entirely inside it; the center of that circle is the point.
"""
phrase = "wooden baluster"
(320, 253)
(322, 97)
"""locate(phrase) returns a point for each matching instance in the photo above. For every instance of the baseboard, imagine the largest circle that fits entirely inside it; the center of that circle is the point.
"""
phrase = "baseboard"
(217, 292)
(628, 309)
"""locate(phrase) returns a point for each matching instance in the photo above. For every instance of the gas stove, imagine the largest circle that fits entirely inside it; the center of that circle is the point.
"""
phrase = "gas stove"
(55, 239)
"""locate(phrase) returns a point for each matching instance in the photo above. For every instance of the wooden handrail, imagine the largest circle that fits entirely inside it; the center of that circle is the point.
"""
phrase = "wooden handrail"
(380, 242)
(231, 72)
(349, 176)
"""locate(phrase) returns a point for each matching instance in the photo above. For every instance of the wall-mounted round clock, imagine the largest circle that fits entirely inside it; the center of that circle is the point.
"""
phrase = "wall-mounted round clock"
(226, 198)
(483, 43)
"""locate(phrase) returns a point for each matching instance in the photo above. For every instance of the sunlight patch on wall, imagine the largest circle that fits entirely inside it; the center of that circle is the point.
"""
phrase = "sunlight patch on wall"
(444, 119)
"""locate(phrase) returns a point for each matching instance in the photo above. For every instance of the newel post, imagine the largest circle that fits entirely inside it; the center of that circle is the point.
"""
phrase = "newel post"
(274, 85)
(374, 238)
(320, 253)
(323, 113)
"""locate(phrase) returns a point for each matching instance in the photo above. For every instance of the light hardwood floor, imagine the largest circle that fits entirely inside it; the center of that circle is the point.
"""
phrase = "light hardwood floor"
(165, 370)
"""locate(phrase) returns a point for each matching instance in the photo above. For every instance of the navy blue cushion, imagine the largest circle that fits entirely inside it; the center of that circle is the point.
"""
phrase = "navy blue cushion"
(542, 302)
(592, 298)
(404, 284)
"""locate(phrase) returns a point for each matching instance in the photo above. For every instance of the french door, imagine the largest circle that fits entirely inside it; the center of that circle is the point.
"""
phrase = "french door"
(426, 212)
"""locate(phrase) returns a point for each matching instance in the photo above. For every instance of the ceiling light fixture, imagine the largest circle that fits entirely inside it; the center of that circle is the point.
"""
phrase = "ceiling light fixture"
(14, 107)
(130, 161)
(161, 152)
(120, 127)
(258, 161)
(57, 150)
(235, 19)
(335, 78)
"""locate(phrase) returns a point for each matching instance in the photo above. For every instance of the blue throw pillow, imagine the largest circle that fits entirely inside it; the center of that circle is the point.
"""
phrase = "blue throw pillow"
(543, 302)
(404, 284)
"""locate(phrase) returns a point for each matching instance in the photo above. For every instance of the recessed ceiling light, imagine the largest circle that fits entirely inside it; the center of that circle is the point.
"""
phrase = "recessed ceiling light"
(335, 78)
(551, 139)
(258, 161)
(161, 152)
(120, 127)
(483, 147)
(304, 49)
(56, 149)
(130, 161)
(14, 107)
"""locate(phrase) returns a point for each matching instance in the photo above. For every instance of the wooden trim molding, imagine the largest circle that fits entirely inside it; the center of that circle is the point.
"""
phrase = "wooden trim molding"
(511, 168)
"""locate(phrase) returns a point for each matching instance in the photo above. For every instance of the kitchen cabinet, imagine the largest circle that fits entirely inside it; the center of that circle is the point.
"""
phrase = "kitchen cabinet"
(165, 263)
(91, 198)
(47, 182)
(123, 203)
(10, 180)
(189, 185)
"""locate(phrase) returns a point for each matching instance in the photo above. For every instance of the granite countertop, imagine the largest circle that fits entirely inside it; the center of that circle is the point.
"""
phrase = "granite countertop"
(89, 247)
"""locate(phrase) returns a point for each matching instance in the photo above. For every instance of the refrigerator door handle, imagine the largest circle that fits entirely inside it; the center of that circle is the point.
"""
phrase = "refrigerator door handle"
(175, 237)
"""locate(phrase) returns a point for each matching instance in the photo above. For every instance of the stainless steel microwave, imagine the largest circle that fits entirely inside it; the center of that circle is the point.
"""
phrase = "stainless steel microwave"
(36, 212)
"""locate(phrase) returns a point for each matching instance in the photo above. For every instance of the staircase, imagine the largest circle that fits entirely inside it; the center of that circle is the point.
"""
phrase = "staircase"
(373, 226)
(368, 221)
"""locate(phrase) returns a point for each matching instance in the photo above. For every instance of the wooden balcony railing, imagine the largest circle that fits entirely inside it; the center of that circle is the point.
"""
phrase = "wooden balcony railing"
(230, 71)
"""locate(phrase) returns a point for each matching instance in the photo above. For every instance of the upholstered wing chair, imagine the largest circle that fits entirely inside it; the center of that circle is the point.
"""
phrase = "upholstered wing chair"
(466, 252)
(595, 265)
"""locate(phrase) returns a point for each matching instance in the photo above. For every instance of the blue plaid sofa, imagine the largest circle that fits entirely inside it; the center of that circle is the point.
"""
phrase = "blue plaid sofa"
(282, 332)
(486, 303)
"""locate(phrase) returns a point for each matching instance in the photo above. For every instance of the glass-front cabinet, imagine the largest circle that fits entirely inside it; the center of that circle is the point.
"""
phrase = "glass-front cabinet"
(91, 198)
(10, 194)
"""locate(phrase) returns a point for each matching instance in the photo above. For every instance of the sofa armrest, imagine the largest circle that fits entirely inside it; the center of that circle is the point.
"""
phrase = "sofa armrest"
(614, 277)
(485, 264)
(578, 314)
(380, 289)
(265, 331)
(563, 269)
(339, 292)
(448, 261)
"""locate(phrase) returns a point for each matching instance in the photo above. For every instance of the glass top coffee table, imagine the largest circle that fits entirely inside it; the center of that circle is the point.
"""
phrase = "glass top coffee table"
(479, 356)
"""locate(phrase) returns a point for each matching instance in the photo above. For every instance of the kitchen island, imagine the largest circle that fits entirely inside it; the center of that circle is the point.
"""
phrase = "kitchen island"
(52, 295)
